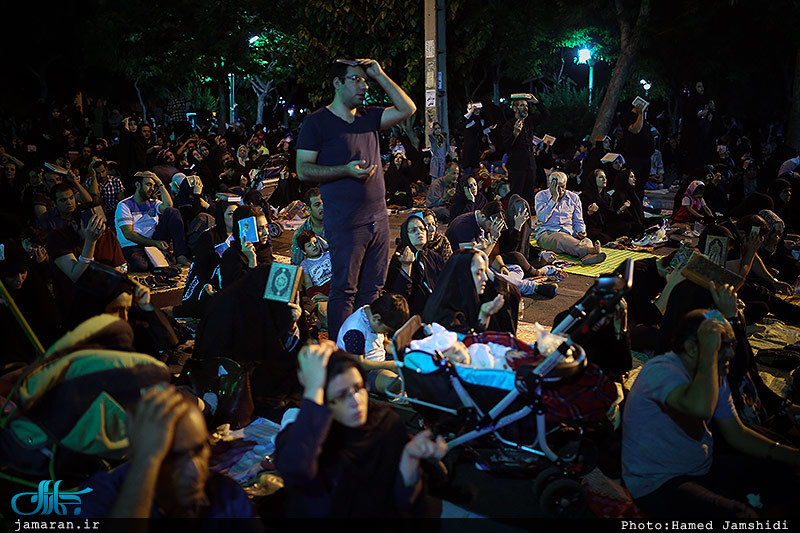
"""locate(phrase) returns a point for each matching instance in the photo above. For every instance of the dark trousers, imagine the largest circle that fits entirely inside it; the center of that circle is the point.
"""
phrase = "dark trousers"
(359, 263)
(722, 492)
(516, 258)
(169, 228)
(523, 181)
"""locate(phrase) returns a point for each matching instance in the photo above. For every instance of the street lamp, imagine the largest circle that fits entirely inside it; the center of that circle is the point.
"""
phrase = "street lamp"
(585, 56)
(645, 85)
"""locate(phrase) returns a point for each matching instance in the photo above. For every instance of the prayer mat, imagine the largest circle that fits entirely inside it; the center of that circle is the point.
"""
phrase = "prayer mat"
(614, 258)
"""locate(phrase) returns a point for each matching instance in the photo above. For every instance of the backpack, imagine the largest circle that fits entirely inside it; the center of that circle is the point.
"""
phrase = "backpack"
(69, 405)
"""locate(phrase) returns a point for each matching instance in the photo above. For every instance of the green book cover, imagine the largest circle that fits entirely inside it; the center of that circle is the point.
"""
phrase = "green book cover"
(283, 282)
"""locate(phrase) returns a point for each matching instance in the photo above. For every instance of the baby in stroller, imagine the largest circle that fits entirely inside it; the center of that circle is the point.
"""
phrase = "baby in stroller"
(508, 353)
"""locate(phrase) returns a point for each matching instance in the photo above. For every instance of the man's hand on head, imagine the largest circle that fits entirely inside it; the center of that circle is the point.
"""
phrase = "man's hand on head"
(371, 67)
(151, 427)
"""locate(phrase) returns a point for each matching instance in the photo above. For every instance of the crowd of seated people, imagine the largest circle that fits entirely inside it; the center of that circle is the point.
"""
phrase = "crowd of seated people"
(465, 256)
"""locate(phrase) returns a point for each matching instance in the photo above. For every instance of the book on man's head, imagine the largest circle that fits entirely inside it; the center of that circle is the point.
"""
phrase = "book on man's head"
(52, 167)
(639, 101)
(549, 139)
(283, 282)
(702, 271)
(610, 157)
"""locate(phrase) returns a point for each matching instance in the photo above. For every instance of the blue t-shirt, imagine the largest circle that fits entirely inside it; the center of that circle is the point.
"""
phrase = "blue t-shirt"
(659, 444)
(349, 202)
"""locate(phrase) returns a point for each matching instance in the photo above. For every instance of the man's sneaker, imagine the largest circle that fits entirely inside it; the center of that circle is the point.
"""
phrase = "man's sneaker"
(548, 290)
(593, 259)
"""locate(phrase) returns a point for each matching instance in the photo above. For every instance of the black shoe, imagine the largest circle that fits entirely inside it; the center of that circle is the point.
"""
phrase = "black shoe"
(548, 290)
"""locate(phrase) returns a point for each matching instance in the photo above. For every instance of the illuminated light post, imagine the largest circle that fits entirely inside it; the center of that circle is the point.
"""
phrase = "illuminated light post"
(585, 56)
(645, 85)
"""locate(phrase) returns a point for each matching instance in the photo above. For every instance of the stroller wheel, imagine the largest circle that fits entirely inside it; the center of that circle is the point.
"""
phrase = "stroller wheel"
(563, 497)
(275, 229)
(544, 478)
(582, 456)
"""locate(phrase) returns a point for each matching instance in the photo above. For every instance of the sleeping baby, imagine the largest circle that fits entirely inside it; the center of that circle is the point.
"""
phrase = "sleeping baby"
(476, 355)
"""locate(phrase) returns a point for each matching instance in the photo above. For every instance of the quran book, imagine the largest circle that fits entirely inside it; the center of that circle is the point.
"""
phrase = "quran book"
(283, 282)
(702, 271)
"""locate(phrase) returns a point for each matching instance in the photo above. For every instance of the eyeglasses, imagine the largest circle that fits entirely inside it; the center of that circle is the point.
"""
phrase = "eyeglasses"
(357, 79)
(353, 390)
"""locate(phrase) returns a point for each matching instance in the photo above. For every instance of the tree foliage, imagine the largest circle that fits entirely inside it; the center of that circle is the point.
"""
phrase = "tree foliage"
(390, 31)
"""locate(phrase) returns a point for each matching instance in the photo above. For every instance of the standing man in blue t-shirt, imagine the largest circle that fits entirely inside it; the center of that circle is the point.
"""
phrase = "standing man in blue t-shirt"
(338, 148)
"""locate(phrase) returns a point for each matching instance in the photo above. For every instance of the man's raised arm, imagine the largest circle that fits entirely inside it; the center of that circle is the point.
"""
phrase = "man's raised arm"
(402, 106)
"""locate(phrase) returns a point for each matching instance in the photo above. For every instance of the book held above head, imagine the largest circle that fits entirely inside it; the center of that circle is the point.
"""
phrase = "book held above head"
(524, 96)
(640, 102)
(612, 158)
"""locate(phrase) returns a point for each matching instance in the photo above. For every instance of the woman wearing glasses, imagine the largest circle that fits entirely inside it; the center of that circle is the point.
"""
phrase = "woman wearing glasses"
(344, 456)
(414, 267)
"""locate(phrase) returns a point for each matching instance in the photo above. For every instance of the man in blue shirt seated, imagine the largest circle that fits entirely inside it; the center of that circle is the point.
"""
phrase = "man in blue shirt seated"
(668, 459)
(477, 228)
(559, 222)
(168, 474)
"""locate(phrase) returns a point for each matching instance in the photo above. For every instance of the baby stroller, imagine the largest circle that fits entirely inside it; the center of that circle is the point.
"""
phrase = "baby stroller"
(511, 419)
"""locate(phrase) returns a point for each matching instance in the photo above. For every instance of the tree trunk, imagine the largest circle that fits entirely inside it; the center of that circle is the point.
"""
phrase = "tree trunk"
(793, 127)
(41, 75)
(262, 99)
(141, 101)
(630, 41)
(223, 104)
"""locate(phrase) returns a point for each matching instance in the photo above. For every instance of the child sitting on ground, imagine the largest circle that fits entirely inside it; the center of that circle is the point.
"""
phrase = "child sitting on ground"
(316, 275)
(366, 333)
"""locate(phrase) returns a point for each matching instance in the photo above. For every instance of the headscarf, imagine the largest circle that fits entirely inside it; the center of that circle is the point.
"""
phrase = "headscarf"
(455, 303)
(425, 270)
(695, 203)
(404, 240)
(182, 188)
(623, 190)
(242, 161)
(177, 179)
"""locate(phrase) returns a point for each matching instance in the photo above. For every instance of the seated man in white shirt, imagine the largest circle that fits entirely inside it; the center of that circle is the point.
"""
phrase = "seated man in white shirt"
(142, 221)
(559, 222)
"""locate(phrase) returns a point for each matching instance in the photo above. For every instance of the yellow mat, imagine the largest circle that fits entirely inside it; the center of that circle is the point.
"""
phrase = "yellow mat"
(614, 258)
